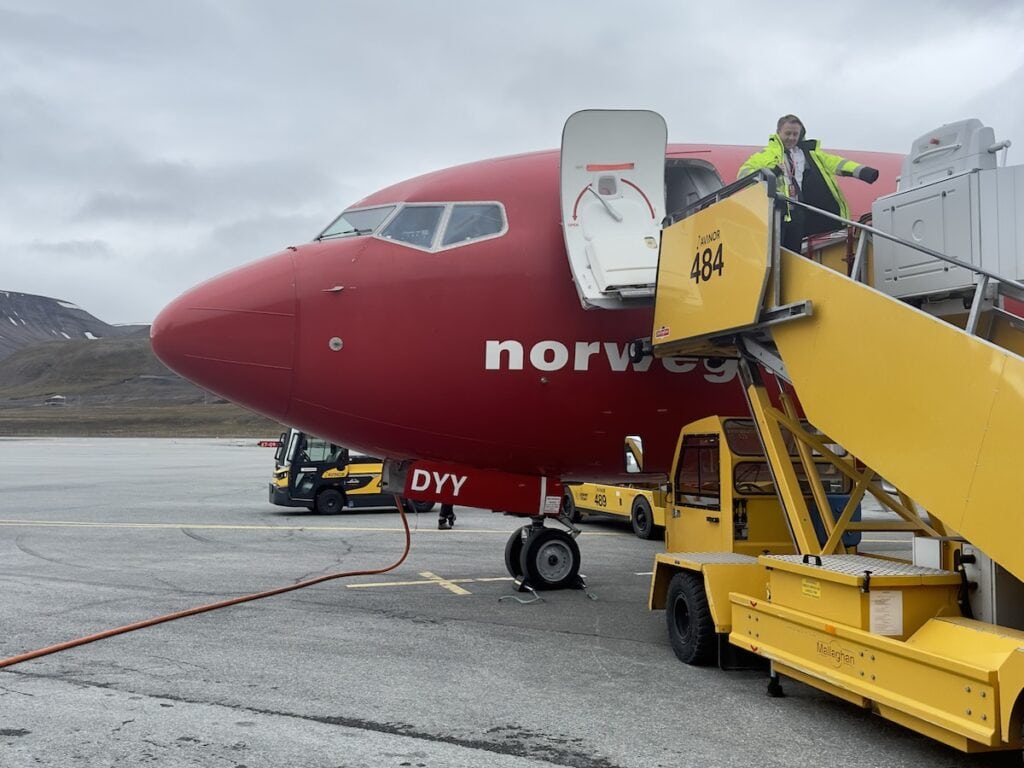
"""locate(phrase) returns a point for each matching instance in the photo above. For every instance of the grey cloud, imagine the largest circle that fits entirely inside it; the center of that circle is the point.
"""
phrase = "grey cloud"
(181, 139)
(174, 193)
(57, 252)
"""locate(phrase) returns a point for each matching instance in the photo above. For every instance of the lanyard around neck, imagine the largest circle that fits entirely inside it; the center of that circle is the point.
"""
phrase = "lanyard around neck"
(794, 185)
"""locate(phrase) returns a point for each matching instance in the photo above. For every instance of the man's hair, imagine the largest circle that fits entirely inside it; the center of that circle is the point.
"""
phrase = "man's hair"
(790, 119)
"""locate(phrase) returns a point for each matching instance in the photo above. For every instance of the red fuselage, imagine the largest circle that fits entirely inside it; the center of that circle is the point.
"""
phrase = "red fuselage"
(479, 355)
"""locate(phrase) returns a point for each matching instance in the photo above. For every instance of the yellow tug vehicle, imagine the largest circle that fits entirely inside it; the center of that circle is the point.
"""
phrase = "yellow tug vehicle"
(643, 504)
(891, 352)
(328, 478)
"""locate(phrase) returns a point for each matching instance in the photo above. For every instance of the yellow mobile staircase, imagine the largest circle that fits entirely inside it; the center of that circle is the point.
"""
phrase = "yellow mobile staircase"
(935, 408)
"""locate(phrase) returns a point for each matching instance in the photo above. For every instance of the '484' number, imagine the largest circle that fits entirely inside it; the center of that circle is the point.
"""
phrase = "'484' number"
(706, 263)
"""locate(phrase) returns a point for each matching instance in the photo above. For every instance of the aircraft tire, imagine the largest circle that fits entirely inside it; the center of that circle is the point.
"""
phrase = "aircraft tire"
(513, 553)
(330, 502)
(569, 508)
(642, 518)
(691, 630)
(550, 560)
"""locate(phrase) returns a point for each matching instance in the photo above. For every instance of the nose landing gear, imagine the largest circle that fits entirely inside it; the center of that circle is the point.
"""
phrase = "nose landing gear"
(544, 558)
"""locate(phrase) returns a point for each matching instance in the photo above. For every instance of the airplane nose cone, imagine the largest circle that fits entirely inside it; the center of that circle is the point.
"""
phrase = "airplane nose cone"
(234, 335)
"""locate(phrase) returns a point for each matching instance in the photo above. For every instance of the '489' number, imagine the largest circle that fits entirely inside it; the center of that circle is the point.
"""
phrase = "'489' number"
(706, 263)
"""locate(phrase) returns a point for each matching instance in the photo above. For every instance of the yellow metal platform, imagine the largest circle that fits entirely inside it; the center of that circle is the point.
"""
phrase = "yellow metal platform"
(955, 680)
(882, 596)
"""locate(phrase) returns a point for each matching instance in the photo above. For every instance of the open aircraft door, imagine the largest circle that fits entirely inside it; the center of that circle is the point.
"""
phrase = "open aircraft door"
(613, 203)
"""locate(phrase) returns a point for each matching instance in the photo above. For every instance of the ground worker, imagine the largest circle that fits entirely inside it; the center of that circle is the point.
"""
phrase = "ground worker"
(806, 173)
(446, 518)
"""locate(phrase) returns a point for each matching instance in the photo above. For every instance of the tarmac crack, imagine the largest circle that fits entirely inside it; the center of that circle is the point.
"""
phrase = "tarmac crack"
(206, 539)
(32, 553)
(515, 741)
(4, 691)
(122, 725)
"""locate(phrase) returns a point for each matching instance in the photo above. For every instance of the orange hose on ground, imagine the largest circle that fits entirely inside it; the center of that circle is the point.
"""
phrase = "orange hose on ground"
(212, 606)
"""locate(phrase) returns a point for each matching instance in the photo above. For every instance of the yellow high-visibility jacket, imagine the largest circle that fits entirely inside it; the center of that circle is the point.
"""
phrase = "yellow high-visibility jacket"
(818, 187)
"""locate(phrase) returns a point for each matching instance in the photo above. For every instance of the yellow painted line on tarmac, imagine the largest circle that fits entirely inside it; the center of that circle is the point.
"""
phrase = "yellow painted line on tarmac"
(225, 527)
(451, 586)
(430, 578)
(201, 526)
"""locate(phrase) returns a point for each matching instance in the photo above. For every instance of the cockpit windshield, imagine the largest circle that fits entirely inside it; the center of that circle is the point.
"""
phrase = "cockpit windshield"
(355, 223)
(428, 227)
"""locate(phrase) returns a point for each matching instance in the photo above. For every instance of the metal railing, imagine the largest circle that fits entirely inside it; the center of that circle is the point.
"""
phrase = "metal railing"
(1011, 286)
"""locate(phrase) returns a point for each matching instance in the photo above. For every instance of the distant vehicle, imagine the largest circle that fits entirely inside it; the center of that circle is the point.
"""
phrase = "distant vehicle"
(323, 476)
(643, 504)
(55, 400)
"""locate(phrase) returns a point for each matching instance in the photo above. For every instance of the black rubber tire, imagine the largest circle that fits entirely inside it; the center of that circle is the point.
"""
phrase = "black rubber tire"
(690, 628)
(636, 350)
(569, 508)
(550, 560)
(513, 553)
(642, 518)
(330, 501)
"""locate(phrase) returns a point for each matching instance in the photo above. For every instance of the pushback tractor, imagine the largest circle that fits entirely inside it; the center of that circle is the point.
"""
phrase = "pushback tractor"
(328, 478)
(885, 364)
(643, 504)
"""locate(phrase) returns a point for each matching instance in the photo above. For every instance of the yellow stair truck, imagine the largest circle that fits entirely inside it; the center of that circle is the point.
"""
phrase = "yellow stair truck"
(904, 362)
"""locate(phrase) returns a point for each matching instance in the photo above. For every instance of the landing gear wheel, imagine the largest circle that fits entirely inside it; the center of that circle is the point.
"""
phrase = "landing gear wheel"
(330, 502)
(550, 560)
(690, 628)
(514, 551)
(642, 519)
(569, 508)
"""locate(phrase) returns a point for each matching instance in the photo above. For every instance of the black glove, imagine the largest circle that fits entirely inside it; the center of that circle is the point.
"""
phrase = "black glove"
(868, 174)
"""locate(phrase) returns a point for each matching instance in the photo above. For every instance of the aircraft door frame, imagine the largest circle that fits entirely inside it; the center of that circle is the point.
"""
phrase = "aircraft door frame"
(612, 177)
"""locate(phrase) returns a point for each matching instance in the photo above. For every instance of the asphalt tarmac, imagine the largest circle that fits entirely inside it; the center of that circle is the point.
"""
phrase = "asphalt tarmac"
(436, 663)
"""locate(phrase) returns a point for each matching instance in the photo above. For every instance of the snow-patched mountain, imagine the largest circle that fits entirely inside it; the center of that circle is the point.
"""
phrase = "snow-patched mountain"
(26, 319)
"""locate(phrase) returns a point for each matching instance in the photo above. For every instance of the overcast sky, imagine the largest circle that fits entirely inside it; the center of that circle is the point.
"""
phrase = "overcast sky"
(145, 146)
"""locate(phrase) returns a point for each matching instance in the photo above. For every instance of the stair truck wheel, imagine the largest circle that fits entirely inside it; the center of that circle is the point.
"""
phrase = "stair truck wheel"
(690, 628)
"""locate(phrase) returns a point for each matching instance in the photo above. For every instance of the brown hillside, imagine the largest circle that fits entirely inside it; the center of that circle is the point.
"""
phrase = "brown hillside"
(112, 387)
(93, 369)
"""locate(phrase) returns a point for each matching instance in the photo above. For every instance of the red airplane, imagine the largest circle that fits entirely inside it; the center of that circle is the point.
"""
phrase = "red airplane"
(439, 323)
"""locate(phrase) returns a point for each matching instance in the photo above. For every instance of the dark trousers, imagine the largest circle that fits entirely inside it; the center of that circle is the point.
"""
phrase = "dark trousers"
(793, 230)
(447, 512)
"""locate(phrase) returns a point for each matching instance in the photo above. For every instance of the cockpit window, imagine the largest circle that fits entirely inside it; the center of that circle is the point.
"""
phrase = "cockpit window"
(415, 225)
(430, 226)
(472, 221)
(354, 223)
